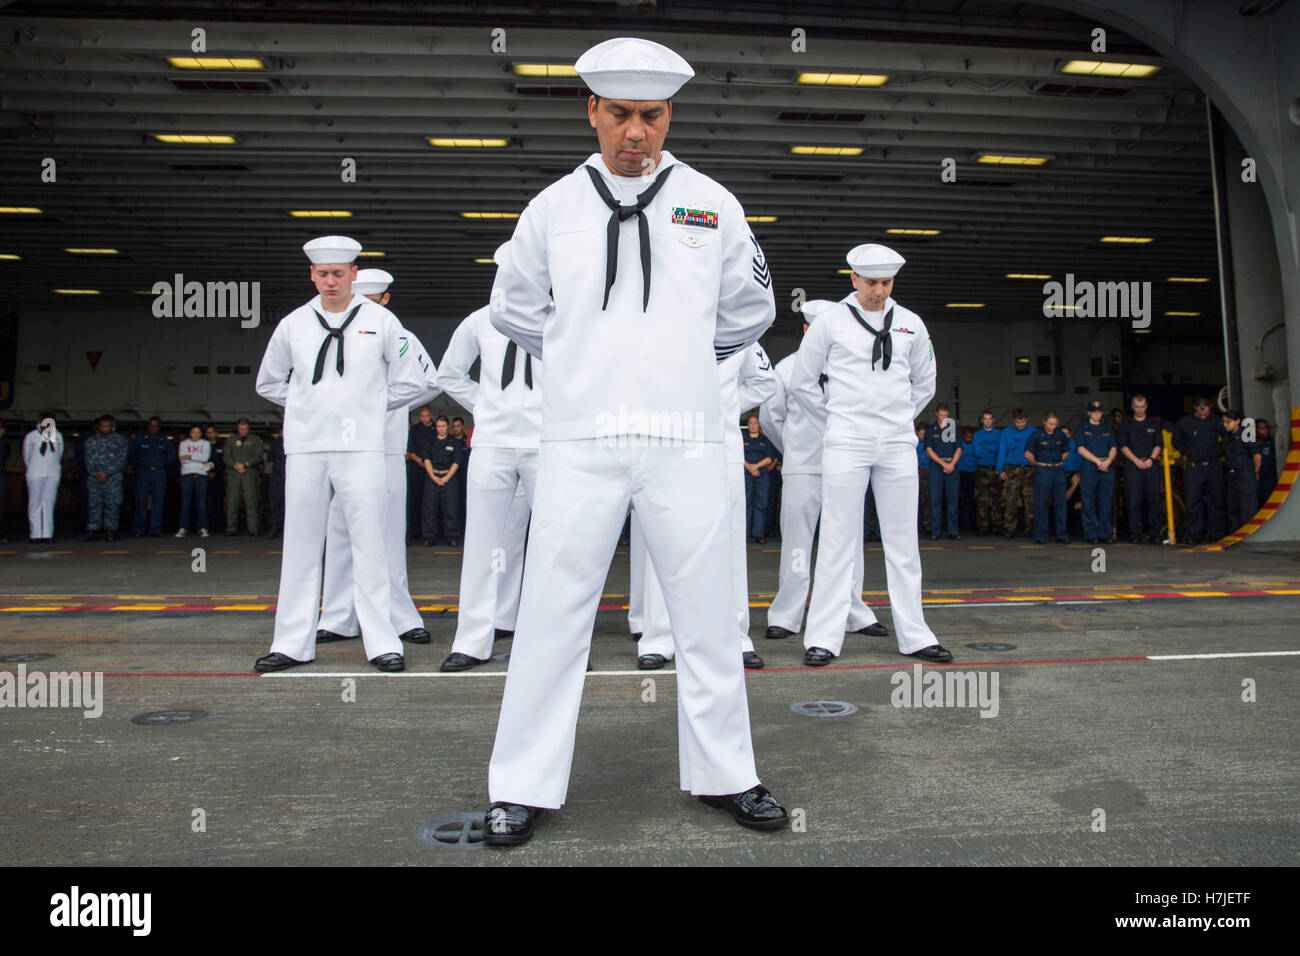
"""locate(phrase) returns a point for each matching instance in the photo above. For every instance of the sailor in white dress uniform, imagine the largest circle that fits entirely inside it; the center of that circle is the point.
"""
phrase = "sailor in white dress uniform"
(655, 277)
(798, 431)
(338, 616)
(43, 459)
(881, 374)
(746, 379)
(506, 403)
(337, 382)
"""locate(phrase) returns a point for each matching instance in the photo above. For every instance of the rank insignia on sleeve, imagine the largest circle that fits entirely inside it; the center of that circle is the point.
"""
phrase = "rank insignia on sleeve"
(690, 216)
(761, 273)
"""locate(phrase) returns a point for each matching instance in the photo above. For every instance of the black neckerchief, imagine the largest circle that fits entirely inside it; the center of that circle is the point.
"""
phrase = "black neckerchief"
(333, 333)
(883, 349)
(508, 366)
(616, 218)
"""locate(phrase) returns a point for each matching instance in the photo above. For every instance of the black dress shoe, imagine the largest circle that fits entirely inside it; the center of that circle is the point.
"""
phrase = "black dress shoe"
(636, 635)
(955, 537)
(230, 534)
(776, 633)
(427, 542)
(651, 662)
(390, 662)
(456, 661)
(935, 537)
(273, 531)
(1008, 535)
(817, 657)
(111, 536)
(328, 637)
(416, 635)
(502, 634)
(756, 808)
(752, 661)
(276, 662)
(453, 542)
(88, 536)
(1062, 540)
(152, 534)
(762, 539)
(508, 824)
(873, 630)
(935, 654)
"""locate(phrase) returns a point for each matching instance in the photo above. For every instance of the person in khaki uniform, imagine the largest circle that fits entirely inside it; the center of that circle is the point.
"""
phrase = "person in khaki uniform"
(244, 453)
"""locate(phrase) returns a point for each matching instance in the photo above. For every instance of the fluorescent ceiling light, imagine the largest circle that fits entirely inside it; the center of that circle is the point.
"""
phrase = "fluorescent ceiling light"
(196, 139)
(216, 63)
(545, 69)
(1109, 68)
(842, 79)
(449, 142)
(827, 150)
(1004, 159)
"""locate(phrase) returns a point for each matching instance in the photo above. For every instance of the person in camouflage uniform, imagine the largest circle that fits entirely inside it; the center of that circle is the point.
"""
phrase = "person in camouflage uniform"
(988, 484)
(244, 454)
(1017, 474)
(105, 461)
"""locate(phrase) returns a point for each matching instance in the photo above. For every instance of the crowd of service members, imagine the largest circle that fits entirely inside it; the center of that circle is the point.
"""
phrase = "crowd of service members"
(974, 479)
(200, 480)
(989, 480)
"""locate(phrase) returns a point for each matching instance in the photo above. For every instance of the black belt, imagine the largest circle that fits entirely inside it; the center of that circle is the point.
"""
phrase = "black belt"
(616, 218)
(1213, 461)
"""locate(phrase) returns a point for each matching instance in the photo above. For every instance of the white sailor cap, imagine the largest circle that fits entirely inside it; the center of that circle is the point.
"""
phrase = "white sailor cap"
(371, 282)
(503, 250)
(331, 250)
(874, 261)
(815, 307)
(628, 68)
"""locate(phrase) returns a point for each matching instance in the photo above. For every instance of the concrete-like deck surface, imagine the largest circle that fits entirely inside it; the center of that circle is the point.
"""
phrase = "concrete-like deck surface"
(287, 772)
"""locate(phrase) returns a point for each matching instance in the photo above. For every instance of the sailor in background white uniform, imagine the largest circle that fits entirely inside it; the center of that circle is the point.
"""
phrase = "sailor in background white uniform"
(881, 374)
(43, 459)
(798, 431)
(506, 403)
(338, 616)
(655, 277)
(746, 379)
(338, 365)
